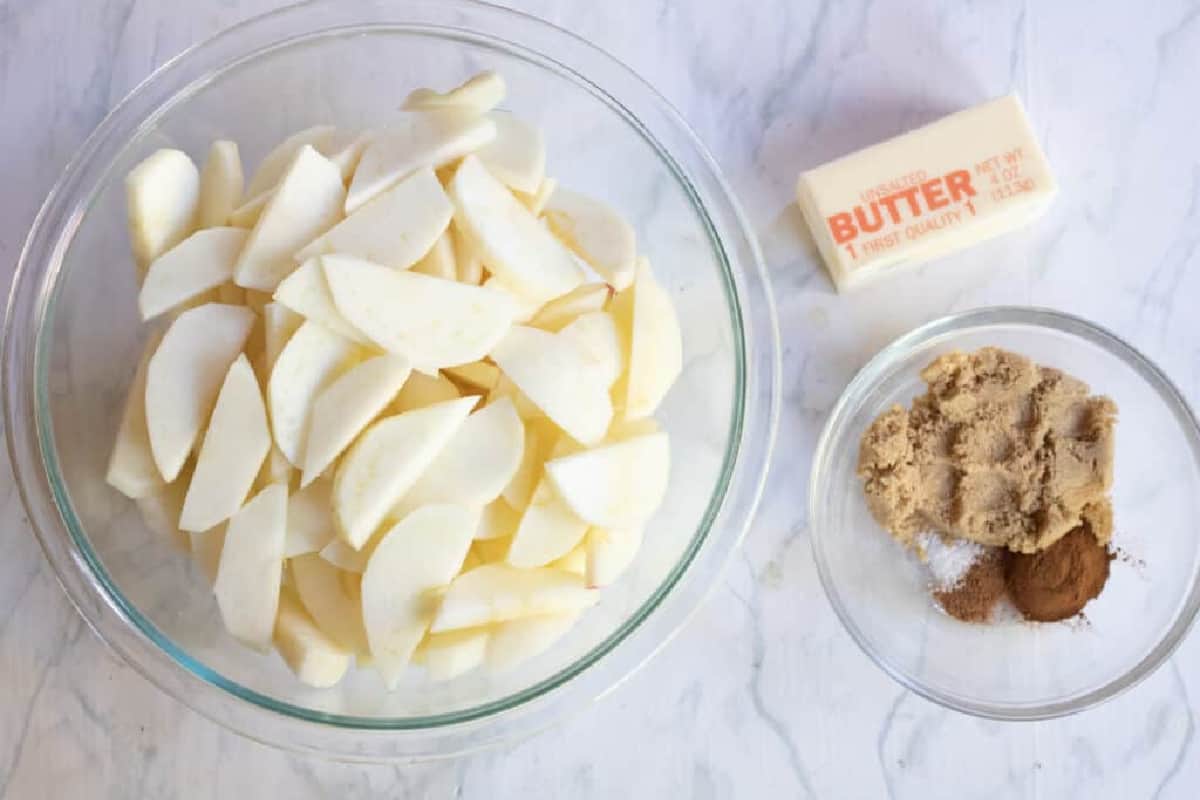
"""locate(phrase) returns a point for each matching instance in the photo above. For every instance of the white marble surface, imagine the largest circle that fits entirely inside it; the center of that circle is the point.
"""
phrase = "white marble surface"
(763, 695)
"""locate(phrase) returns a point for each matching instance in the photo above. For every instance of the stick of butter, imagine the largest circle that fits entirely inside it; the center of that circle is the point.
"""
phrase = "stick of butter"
(970, 176)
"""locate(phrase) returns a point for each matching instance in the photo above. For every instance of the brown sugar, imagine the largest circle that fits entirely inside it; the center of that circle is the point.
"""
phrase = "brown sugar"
(1058, 582)
(976, 594)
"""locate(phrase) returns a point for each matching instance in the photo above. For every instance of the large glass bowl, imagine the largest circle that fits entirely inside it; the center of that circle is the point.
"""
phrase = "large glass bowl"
(73, 336)
(1013, 669)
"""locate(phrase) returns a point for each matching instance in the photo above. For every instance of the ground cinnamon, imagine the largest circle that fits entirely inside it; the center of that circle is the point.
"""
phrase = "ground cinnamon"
(1058, 582)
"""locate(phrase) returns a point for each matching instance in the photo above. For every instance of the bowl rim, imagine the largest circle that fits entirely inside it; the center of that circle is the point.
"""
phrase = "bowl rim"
(31, 446)
(868, 377)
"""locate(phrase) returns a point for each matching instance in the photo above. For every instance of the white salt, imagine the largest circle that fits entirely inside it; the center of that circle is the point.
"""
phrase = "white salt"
(948, 559)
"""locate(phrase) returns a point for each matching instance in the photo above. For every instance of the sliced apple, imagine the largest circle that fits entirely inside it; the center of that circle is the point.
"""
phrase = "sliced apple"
(184, 375)
(421, 390)
(575, 561)
(420, 139)
(306, 292)
(312, 359)
(277, 162)
(504, 387)
(609, 553)
(161, 195)
(517, 156)
(337, 612)
(309, 519)
(346, 149)
(279, 324)
(623, 429)
(200, 262)
(386, 461)
(655, 346)
(434, 323)
(345, 557)
(247, 583)
(491, 551)
(559, 312)
(221, 184)
(131, 467)
(480, 93)
(595, 336)
(513, 244)
(307, 202)
(551, 371)
(234, 447)
(597, 233)
(548, 530)
(449, 655)
(524, 307)
(496, 593)
(419, 554)
(476, 464)
(346, 406)
(315, 659)
(497, 520)
(440, 261)
(395, 229)
(160, 508)
(616, 485)
(540, 437)
(246, 215)
(519, 640)
(536, 202)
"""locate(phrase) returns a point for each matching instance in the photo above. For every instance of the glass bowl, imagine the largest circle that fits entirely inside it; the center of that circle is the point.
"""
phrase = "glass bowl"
(72, 338)
(1014, 669)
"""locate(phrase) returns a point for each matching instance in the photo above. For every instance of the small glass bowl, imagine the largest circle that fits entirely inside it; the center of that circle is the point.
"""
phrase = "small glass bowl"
(1017, 670)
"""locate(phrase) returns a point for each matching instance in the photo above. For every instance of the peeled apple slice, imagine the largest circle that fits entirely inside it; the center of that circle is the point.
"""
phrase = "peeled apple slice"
(307, 202)
(609, 553)
(596, 233)
(522, 639)
(276, 162)
(536, 202)
(310, 361)
(279, 324)
(479, 93)
(524, 308)
(307, 293)
(131, 467)
(617, 485)
(497, 519)
(551, 371)
(419, 554)
(595, 336)
(385, 462)
(514, 245)
(574, 562)
(184, 376)
(348, 405)
(315, 659)
(161, 195)
(247, 583)
(234, 447)
(434, 323)
(539, 440)
(221, 184)
(309, 519)
(246, 215)
(346, 149)
(497, 593)
(395, 229)
(476, 377)
(160, 508)
(420, 139)
(656, 350)
(337, 613)
(559, 312)
(200, 262)
(421, 390)
(440, 261)
(548, 530)
(345, 557)
(448, 655)
(517, 156)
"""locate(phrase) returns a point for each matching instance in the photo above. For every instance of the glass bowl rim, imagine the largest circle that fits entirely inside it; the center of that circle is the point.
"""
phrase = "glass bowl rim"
(454, 18)
(878, 367)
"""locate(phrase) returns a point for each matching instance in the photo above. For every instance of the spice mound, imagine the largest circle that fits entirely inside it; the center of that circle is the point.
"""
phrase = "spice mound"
(1008, 455)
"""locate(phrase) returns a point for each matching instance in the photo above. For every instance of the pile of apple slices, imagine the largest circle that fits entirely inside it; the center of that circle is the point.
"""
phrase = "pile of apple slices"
(398, 403)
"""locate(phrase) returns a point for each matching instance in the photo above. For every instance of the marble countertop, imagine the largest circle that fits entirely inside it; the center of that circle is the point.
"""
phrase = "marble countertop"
(786, 705)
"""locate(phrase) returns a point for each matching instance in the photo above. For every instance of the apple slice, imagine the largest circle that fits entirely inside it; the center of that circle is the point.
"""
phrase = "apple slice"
(386, 461)
(550, 370)
(246, 215)
(559, 312)
(609, 553)
(480, 93)
(524, 307)
(548, 530)
(498, 592)
(221, 184)
(505, 387)
(449, 655)
(346, 149)
(345, 557)
(517, 156)
(420, 139)
(200, 262)
(514, 245)
(421, 390)
(346, 406)
(575, 561)
(395, 229)
(234, 447)
(307, 202)
(655, 347)
(312, 359)
(475, 465)
(595, 232)
(617, 485)
(419, 554)
(315, 659)
(490, 551)
(478, 377)
(161, 195)
(184, 375)
(623, 429)
(307, 293)
(519, 640)
(595, 336)
(277, 162)
(131, 467)
(279, 324)
(434, 323)
(497, 520)
(337, 612)
(309, 519)
(540, 437)
(536, 202)
(440, 261)
(247, 584)
(160, 508)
